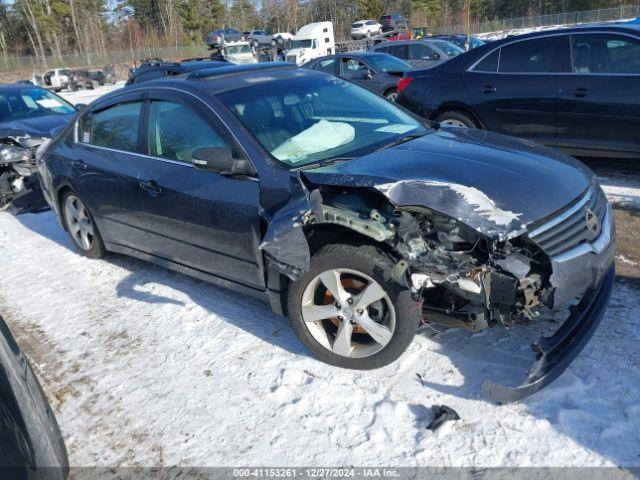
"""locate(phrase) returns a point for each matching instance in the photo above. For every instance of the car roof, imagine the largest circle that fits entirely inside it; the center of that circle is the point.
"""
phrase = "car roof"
(223, 78)
(16, 87)
(464, 60)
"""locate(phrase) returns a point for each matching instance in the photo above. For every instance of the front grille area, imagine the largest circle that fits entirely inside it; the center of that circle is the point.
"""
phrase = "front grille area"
(569, 228)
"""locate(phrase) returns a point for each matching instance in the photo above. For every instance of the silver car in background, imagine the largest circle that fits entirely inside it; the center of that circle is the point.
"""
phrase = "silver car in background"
(425, 53)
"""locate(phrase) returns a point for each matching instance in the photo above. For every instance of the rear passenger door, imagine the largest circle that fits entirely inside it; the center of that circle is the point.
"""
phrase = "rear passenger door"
(105, 162)
(202, 220)
(601, 95)
(516, 88)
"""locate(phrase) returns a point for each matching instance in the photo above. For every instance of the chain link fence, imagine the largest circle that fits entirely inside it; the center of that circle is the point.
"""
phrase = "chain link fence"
(25, 66)
(626, 12)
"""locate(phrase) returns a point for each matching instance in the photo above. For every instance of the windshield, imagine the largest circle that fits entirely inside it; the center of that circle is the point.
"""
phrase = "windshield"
(315, 119)
(388, 63)
(236, 49)
(476, 42)
(449, 48)
(302, 44)
(31, 103)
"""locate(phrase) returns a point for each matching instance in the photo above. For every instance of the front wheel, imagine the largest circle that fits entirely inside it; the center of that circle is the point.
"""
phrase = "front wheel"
(81, 227)
(349, 312)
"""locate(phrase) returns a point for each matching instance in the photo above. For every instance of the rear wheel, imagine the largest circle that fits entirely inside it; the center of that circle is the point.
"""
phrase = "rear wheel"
(454, 118)
(81, 227)
(348, 311)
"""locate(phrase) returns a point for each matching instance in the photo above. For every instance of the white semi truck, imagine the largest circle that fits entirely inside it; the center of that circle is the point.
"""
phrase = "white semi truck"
(312, 41)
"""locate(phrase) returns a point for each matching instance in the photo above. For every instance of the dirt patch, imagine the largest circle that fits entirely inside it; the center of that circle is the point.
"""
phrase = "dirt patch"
(628, 248)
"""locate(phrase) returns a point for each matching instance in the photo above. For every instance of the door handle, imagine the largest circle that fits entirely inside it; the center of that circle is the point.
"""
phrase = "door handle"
(580, 92)
(79, 164)
(152, 188)
(488, 89)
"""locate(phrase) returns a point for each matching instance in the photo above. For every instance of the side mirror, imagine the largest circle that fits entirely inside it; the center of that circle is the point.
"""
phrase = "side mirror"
(81, 106)
(367, 74)
(220, 160)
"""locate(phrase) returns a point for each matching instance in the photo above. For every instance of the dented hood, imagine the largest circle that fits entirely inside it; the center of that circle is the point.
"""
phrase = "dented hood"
(36, 127)
(496, 184)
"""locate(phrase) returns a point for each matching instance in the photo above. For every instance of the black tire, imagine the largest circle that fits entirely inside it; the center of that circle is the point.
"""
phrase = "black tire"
(455, 116)
(97, 249)
(377, 265)
(391, 94)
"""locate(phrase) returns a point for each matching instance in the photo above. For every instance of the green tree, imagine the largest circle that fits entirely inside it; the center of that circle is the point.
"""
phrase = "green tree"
(244, 15)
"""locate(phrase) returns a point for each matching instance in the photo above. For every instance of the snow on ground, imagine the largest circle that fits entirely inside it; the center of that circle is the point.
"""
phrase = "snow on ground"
(623, 190)
(147, 367)
(88, 96)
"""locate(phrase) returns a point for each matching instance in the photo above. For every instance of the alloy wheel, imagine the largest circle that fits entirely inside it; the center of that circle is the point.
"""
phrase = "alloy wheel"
(452, 122)
(392, 96)
(79, 222)
(348, 313)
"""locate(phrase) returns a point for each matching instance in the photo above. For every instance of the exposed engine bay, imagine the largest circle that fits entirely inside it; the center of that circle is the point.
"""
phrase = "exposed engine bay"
(18, 172)
(461, 278)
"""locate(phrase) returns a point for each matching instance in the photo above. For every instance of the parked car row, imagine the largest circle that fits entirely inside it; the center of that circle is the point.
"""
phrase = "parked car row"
(60, 79)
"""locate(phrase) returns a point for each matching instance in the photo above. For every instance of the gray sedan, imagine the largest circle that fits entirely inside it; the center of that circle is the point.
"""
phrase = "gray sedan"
(424, 53)
(377, 72)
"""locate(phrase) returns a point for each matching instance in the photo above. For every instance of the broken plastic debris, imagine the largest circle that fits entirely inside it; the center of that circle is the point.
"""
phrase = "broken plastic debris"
(441, 414)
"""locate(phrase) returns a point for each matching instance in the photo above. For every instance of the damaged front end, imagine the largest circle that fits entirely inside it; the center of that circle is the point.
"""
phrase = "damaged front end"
(18, 170)
(473, 267)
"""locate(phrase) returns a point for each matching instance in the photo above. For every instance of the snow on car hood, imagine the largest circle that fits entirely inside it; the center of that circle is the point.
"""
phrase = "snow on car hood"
(497, 185)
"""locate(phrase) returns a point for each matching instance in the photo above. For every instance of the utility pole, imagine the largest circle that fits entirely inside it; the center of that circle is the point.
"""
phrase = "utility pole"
(467, 40)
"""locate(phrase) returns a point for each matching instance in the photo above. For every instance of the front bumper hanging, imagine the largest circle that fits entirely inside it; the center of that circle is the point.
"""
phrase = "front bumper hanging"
(555, 353)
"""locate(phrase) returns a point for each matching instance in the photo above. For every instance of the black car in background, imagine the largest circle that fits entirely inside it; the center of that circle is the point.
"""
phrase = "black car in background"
(29, 117)
(394, 21)
(343, 211)
(577, 89)
(156, 70)
(378, 72)
(31, 445)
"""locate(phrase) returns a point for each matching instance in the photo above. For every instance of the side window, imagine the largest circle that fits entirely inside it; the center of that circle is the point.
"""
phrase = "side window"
(371, 22)
(327, 65)
(352, 68)
(488, 64)
(530, 56)
(176, 130)
(422, 52)
(399, 51)
(114, 127)
(605, 53)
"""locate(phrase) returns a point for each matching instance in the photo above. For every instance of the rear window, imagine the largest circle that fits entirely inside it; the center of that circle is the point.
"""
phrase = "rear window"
(489, 63)
(530, 56)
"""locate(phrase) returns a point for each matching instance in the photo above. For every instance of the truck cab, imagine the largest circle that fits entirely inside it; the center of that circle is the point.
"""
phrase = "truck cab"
(312, 41)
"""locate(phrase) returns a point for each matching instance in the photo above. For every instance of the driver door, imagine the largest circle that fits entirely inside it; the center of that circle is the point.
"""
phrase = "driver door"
(203, 220)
